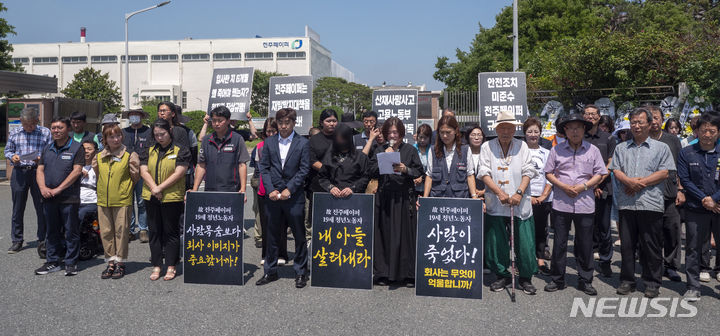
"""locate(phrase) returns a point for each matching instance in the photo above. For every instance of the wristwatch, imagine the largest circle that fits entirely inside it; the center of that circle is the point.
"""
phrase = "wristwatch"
(519, 192)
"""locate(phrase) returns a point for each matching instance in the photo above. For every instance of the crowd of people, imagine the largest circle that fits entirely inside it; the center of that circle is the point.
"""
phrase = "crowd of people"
(645, 176)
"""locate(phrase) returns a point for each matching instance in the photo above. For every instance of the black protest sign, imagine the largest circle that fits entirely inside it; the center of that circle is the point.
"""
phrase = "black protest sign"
(342, 243)
(294, 92)
(402, 104)
(501, 91)
(232, 88)
(213, 238)
(449, 248)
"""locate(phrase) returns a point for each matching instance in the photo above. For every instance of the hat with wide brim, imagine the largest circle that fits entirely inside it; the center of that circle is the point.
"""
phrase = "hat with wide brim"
(109, 118)
(624, 126)
(126, 114)
(575, 117)
(506, 117)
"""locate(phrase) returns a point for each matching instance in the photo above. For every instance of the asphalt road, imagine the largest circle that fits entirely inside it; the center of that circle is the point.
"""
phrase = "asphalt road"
(85, 304)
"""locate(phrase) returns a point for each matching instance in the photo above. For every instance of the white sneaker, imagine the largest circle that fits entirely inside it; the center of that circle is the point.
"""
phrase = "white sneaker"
(596, 256)
(262, 261)
(282, 262)
(617, 242)
(704, 276)
(717, 276)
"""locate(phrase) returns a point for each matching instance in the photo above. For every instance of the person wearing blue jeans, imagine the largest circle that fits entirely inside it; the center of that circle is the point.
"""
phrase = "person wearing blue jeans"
(138, 224)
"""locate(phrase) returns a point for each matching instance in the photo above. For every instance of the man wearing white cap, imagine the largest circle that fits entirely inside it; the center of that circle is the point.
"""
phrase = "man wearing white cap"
(506, 168)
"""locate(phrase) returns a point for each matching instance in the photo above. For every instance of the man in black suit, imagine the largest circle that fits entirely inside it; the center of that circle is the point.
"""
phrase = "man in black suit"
(284, 165)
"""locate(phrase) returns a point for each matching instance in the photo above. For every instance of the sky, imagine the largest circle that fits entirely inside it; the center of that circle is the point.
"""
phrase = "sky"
(380, 41)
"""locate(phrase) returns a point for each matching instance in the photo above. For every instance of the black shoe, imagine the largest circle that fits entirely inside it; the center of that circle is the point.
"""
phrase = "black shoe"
(625, 288)
(500, 284)
(48, 267)
(672, 275)
(71, 270)
(41, 250)
(15, 248)
(119, 271)
(382, 281)
(108, 272)
(605, 270)
(587, 288)
(544, 269)
(527, 286)
(301, 281)
(547, 256)
(266, 279)
(133, 236)
(554, 286)
(410, 283)
(652, 292)
(258, 243)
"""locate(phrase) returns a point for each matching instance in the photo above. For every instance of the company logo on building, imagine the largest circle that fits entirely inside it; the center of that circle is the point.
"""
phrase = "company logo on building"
(633, 307)
(297, 44)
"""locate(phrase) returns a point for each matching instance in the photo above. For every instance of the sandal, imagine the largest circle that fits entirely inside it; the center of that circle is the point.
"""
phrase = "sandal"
(170, 274)
(155, 273)
(108, 272)
(119, 271)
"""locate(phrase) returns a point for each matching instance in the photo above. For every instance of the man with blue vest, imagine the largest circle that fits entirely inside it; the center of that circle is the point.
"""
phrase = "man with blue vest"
(58, 177)
(223, 157)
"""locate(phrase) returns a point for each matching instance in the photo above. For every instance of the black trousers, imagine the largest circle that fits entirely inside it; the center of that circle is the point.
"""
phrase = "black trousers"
(164, 232)
(698, 226)
(540, 215)
(583, 249)
(22, 181)
(643, 229)
(602, 238)
(262, 200)
(671, 236)
(282, 214)
(706, 253)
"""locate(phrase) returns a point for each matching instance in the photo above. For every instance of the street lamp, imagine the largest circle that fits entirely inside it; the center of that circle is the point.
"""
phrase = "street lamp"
(127, 56)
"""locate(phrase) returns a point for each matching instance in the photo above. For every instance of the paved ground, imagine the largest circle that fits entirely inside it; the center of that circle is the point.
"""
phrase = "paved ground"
(134, 305)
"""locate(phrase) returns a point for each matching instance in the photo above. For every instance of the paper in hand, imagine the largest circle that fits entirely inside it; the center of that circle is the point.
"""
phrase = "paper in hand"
(386, 161)
(29, 156)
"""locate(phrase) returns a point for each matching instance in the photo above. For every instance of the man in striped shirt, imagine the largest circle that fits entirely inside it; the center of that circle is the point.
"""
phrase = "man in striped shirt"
(23, 149)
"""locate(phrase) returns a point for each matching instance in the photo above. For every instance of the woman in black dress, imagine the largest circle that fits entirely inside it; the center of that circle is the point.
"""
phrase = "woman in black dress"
(396, 213)
(344, 169)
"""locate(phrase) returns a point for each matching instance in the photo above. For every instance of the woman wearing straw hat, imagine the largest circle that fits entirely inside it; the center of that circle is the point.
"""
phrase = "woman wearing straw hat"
(506, 169)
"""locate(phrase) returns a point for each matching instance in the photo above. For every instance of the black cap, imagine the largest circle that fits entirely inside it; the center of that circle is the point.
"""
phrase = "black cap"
(560, 127)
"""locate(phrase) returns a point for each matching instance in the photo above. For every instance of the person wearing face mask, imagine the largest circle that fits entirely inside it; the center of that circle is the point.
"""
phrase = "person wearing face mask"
(344, 169)
(137, 138)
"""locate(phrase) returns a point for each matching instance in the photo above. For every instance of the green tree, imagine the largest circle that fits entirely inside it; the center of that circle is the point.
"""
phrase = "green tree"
(91, 84)
(261, 91)
(6, 48)
(339, 93)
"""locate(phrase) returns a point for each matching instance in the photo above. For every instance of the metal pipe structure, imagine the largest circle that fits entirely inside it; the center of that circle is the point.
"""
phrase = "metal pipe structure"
(127, 56)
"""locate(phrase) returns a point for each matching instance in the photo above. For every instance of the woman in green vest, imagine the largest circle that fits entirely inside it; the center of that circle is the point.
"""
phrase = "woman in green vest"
(117, 170)
(162, 168)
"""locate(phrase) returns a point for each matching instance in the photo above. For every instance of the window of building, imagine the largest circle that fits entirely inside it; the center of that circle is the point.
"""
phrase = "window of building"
(135, 58)
(258, 56)
(103, 59)
(184, 99)
(164, 58)
(21, 60)
(45, 60)
(74, 59)
(227, 57)
(291, 55)
(195, 57)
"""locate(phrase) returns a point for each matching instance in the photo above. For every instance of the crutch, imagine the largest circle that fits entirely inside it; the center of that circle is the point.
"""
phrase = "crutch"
(512, 253)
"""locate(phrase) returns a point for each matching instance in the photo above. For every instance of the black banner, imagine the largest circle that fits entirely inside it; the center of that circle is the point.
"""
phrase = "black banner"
(294, 92)
(342, 244)
(232, 88)
(501, 91)
(213, 241)
(397, 103)
(449, 248)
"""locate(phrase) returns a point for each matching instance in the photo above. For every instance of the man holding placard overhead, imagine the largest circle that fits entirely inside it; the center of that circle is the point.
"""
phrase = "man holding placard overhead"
(506, 167)
(284, 164)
